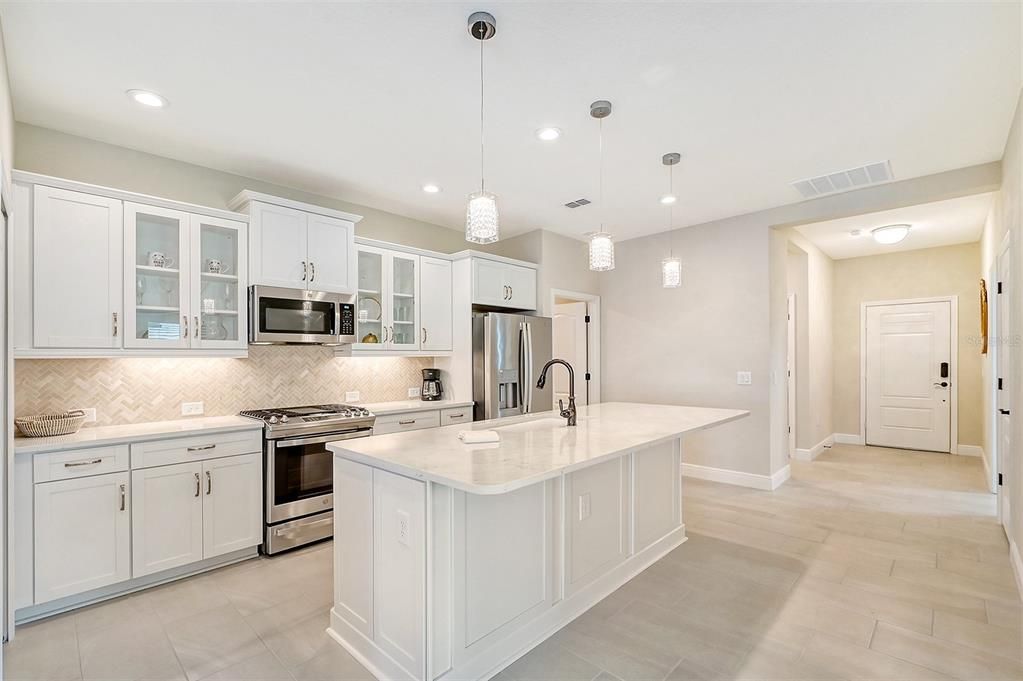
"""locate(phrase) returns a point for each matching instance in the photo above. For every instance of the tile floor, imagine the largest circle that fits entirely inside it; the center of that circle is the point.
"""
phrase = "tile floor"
(868, 564)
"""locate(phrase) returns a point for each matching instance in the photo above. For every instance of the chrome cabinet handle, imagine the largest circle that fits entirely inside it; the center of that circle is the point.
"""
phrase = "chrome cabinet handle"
(73, 464)
(202, 448)
(305, 270)
(423, 339)
(506, 295)
(406, 423)
(511, 292)
(198, 485)
(312, 268)
(196, 333)
(184, 319)
(115, 325)
(456, 416)
(123, 494)
(209, 483)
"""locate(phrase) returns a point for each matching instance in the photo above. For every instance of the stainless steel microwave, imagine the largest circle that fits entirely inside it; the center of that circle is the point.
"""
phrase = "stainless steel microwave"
(287, 315)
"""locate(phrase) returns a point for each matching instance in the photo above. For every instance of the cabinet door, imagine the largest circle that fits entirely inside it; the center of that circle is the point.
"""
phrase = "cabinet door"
(331, 254)
(278, 246)
(77, 266)
(166, 507)
(232, 514)
(371, 322)
(404, 302)
(522, 287)
(435, 303)
(218, 283)
(488, 283)
(155, 279)
(82, 535)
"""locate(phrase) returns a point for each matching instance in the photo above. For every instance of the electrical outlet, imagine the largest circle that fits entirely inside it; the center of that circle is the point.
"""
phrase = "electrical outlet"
(90, 414)
(584, 506)
(192, 408)
(413, 392)
(352, 396)
(404, 527)
(744, 378)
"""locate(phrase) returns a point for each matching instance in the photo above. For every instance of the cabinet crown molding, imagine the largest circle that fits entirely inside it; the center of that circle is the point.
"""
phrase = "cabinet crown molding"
(247, 196)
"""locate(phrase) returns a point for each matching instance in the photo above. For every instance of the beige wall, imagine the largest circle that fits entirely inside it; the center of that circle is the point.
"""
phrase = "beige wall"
(49, 152)
(925, 273)
(6, 117)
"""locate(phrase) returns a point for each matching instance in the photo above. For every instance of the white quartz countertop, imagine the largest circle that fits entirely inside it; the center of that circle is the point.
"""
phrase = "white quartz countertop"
(406, 406)
(157, 430)
(533, 448)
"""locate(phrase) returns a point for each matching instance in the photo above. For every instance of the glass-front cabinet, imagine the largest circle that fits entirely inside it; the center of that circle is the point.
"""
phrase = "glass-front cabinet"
(387, 316)
(182, 280)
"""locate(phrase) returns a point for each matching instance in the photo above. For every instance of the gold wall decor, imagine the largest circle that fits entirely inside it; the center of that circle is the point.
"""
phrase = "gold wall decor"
(983, 317)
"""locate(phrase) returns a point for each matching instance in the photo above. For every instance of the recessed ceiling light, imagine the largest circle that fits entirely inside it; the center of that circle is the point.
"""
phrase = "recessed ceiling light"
(147, 98)
(548, 134)
(431, 188)
(890, 234)
(668, 199)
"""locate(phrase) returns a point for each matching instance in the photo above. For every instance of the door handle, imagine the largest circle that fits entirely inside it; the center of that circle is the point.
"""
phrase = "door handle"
(305, 270)
(196, 333)
(209, 483)
(115, 325)
(198, 485)
(1004, 412)
(122, 496)
(943, 384)
(312, 270)
(423, 340)
(184, 324)
(73, 464)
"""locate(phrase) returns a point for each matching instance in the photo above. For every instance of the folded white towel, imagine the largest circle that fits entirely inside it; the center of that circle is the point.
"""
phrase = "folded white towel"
(476, 437)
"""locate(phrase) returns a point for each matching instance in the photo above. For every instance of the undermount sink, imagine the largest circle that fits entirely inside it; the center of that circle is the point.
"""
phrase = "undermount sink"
(537, 424)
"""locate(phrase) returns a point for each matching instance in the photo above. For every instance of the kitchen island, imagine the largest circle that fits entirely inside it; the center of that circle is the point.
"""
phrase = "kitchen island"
(452, 560)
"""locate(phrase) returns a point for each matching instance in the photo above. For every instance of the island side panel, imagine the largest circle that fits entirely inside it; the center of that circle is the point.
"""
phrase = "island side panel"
(353, 545)
(597, 517)
(657, 486)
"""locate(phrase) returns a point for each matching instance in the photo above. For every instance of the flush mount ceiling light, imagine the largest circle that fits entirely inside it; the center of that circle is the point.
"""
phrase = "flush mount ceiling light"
(481, 220)
(147, 98)
(890, 234)
(602, 245)
(430, 188)
(671, 267)
(548, 134)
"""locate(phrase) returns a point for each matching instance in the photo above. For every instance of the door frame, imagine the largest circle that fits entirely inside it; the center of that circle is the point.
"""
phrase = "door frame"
(593, 365)
(790, 368)
(953, 433)
(996, 348)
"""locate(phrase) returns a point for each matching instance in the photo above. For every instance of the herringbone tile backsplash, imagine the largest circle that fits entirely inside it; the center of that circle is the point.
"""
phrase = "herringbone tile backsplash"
(137, 390)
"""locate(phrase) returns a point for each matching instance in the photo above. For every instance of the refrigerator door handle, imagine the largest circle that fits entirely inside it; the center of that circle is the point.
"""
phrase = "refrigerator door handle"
(528, 368)
(522, 367)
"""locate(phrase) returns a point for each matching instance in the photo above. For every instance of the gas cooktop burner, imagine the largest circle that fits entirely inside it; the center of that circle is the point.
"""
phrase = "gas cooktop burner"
(324, 415)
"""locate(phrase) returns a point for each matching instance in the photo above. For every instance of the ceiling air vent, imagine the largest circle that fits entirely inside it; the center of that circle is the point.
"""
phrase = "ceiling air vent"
(844, 180)
(577, 203)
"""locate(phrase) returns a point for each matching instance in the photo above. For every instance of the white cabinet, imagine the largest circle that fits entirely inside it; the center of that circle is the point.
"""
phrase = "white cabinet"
(167, 518)
(502, 284)
(388, 311)
(435, 304)
(218, 283)
(232, 517)
(76, 269)
(295, 245)
(82, 535)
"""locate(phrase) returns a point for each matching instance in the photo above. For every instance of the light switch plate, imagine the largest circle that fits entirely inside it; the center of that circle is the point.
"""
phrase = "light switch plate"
(352, 396)
(192, 408)
(90, 414)
(744, 378)
(413, 392)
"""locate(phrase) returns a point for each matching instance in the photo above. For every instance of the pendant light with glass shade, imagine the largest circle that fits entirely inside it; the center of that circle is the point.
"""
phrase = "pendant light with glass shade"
(671, 267)
(481, 221)
(602, 246)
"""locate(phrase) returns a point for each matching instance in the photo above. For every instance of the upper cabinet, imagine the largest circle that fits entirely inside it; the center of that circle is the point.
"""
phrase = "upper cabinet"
(103, 273)
(435, 309)
(297, 245)
(502, 284)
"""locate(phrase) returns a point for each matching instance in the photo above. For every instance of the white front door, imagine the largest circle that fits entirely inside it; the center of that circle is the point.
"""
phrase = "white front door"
(569, 344)
(908, 375)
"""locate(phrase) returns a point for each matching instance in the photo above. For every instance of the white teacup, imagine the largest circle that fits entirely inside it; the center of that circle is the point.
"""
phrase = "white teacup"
(215, 266)
(159, 259)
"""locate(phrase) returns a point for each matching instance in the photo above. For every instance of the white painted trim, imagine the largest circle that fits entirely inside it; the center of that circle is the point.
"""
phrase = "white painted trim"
(848, 439)
(998, 459)
(791, 356)
(246, 195)
(1017, 565)
(391, 246)
(953, 301)
(971, 450)
(469, 253)
(739, 478)
(987, 473)
(120, 194)
(117, 353)
(815, 451)
(593, 335)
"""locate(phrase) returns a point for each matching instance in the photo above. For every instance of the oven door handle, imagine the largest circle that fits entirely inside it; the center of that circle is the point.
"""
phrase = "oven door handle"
(320, 439)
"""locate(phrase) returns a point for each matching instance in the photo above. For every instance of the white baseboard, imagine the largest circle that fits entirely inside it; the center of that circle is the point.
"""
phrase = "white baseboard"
(730, 477)
(848, 439)
(815, 451)
(1017, 565)
(970, 450)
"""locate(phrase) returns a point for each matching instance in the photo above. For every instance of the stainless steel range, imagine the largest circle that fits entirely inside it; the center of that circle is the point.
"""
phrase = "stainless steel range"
(298, 471)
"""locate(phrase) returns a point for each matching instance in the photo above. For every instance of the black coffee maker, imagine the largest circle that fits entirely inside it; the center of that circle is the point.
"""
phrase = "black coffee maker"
(432, 388)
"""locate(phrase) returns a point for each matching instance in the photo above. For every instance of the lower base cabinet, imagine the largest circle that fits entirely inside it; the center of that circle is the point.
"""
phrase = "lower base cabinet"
(82, 535)
(232, 507)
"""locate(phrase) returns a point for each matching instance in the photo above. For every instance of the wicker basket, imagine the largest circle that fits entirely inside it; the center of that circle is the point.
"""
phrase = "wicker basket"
(51, 424)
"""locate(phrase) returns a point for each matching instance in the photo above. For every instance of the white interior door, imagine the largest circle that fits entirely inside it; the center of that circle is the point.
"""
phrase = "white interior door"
(1003, 328)
(908, 399)
(790, 373)
(569, 344)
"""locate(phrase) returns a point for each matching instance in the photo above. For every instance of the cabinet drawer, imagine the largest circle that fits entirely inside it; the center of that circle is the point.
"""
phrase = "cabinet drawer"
(456, 415)
(79, 463)
(397, 423)
(195, 448)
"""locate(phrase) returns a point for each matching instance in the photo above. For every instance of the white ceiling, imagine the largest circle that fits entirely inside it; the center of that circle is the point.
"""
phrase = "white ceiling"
(941, 223)
(367, 101)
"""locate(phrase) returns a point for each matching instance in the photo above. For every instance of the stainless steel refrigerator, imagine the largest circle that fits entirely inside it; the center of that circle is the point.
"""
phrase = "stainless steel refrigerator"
(508, 352)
